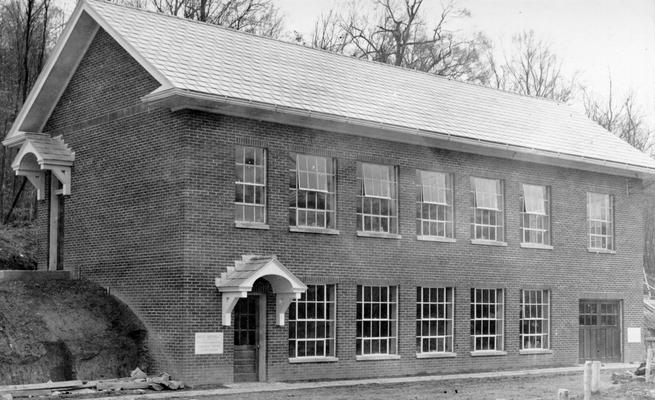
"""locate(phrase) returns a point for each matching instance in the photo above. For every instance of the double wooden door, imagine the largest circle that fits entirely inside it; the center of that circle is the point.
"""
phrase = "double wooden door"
(600, 330)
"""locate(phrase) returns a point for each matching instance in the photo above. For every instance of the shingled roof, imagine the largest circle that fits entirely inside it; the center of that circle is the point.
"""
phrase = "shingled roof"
(227, 65)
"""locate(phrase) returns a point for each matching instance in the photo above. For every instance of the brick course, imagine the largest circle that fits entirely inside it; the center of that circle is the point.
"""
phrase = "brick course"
(151, 218)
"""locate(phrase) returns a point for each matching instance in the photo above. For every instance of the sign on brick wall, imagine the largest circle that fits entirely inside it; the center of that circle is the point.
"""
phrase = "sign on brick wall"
(634, 335)
(209, 343)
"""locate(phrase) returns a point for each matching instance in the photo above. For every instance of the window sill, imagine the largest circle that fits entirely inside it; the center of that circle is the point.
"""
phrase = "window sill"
(309, 229)
(535, 351)
(378, 357)
(301, 360)
(488, 353)
(536, 246)
(488, 242)
(382, 235)
(600, 251)
(251, 225)
(435, 239)
(436, 355)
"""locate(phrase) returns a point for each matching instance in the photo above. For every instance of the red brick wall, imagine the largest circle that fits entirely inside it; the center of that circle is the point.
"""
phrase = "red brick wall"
(151, 216)
(125, 210)
(569, 271)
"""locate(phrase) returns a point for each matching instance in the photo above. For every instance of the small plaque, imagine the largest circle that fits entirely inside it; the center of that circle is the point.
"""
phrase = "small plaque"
(209, 342)
(634, 335)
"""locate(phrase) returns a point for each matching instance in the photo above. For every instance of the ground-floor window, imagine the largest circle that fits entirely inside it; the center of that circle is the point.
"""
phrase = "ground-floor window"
(434, 320)
(377, 320)
(535, 319)
(487, 310)
(312, 324)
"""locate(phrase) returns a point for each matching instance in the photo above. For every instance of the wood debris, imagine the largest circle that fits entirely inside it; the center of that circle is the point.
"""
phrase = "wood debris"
(138, 381)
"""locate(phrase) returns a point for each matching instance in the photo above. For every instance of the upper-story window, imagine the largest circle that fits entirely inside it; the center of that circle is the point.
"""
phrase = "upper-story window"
(434, 205)
(250, 194)
(313, 195)
(535, 214)
(600, 218)
(377, 205)
(488, 220)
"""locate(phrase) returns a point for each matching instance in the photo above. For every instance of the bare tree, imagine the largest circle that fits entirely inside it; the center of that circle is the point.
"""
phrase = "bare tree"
(27, 28)
(621, 117)
(255, 16)
(328, 33)
(396, 32)
(531, 68)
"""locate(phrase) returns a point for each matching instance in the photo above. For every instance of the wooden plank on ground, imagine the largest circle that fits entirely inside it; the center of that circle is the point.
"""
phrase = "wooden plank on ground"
(40, 386)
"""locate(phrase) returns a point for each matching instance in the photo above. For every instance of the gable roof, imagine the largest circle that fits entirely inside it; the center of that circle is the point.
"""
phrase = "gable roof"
(220, 65)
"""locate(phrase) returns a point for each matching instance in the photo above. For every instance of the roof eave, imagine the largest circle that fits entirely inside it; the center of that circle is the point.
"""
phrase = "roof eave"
(178, 99)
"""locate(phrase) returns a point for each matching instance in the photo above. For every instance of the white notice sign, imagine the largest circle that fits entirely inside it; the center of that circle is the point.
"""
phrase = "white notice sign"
(634, 335)
(209, 342)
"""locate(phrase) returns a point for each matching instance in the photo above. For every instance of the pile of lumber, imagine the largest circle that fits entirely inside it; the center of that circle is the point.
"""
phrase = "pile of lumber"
(138, 381)
(649, 316)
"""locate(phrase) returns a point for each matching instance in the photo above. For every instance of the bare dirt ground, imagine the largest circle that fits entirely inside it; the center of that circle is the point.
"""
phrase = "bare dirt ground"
(517, 388)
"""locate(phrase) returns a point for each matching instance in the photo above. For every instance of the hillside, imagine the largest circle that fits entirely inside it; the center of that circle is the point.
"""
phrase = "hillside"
(66, 329)
(18, 247)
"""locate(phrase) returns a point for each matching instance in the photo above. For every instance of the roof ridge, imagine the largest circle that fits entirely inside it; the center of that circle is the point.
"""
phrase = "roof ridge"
(324, 51)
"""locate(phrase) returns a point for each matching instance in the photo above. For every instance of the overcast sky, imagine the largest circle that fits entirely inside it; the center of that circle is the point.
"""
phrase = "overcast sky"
(593, 37)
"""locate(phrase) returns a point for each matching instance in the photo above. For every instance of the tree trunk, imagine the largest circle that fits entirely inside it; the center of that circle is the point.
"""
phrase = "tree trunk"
(26, 55)
(44, 34)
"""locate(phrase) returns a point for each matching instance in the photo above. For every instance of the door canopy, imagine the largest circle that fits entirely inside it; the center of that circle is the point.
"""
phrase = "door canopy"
(238, 280)
(40, 152)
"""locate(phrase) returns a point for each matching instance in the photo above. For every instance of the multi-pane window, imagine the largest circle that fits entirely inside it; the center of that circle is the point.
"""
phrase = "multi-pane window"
(377, 203)
(377, 320)
(312, 323)
(488, 220)
(434, 204)
(535, 215)
(250, 197)
(312, 201)
(434, 320)
(487, 310)
(600, 217)
(535, 319)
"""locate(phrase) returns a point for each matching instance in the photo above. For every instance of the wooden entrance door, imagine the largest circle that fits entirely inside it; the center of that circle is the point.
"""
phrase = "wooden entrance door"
(246, 346)
(600, 330)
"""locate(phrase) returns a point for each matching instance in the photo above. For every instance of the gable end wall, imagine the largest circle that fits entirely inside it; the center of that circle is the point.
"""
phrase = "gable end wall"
(122, 218)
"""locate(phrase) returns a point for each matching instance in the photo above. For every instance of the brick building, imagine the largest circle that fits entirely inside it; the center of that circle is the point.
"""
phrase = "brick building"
(274, 212)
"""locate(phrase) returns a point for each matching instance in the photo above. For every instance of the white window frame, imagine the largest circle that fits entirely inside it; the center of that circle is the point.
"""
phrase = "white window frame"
(243, 184)
(308, 315)
(324, 218)
(370, 215)
(487, 311)
(434, 219)
(371, 343)
(435, 309)
(535, 227)
(487, 224)
(535, 319)
(595, 226)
